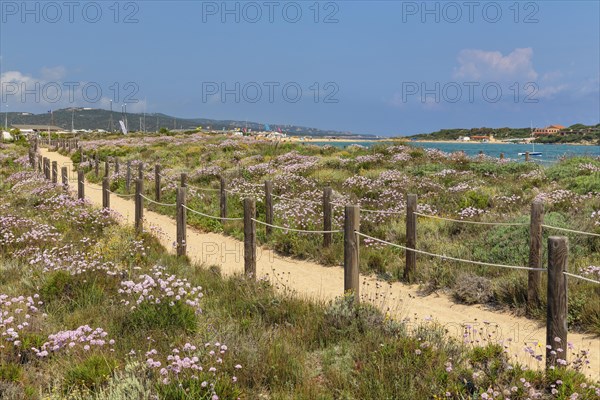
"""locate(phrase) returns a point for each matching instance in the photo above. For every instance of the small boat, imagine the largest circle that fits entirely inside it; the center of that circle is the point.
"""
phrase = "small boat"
(532, 152)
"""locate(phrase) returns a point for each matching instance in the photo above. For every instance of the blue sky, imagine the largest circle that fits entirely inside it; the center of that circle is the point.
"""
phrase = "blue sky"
(377, 67)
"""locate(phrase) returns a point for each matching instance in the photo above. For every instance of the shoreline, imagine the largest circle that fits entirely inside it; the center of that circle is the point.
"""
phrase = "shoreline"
(499, 143)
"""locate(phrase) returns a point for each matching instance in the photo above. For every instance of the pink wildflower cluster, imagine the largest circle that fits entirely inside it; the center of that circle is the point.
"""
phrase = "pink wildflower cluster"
(19, 232)
(160, 288)
(560, 196)
(83, 338)
(71, 260)
(596, 217)
(190, 362)
(592, 271)
(16, 315)
(470, 212)
(589, 167)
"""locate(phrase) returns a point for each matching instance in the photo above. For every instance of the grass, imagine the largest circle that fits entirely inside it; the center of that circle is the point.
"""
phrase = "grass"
(288, 348)
(499, 191)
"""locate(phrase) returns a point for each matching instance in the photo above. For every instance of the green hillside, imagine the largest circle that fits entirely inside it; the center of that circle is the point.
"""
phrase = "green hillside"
(100, 119)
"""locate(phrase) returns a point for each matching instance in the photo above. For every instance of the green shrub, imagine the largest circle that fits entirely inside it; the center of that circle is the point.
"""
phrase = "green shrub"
(89, 374)
(10, 372)
(151, 316)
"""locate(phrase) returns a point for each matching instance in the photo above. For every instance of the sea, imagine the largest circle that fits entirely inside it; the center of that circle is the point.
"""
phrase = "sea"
(550, 152)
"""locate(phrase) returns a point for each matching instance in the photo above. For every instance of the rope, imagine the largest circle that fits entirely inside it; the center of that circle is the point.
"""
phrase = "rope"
(473, 222)
(570, 230)
(581, 277)
(447, 257)
(160, 204)
(381, 211)
(212, 216)
(285, 228)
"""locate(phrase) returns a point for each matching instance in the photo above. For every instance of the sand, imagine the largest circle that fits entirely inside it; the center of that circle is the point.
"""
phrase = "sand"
(312, 281)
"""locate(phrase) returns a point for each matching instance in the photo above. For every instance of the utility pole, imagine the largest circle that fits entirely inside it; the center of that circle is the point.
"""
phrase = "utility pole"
(111, 126)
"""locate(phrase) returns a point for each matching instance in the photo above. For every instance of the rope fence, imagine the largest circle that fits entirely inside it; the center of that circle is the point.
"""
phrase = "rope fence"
(582, 278)
(159, 203)
(558, 249)
(285, 228)
(447, 257)
(212, 216)
(472, 222)
(570, 230)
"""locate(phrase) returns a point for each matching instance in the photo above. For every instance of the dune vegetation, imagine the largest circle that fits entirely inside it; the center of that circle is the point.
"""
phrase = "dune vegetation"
(91, 310)
(378, 178)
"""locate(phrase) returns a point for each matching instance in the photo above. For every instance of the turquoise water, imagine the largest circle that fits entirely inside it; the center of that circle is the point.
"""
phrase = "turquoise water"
(550, 152)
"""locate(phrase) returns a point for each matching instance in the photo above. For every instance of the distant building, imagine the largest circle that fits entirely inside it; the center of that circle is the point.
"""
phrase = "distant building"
(482, 138)
(26, 129)
(547, 131)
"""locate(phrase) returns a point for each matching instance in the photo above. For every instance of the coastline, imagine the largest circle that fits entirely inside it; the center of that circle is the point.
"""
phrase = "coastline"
(338, 140)
(499, 142)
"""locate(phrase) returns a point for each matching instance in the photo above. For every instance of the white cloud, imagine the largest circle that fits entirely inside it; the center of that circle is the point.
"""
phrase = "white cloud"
(53, 73)
(550, 91)
(492, 65)
(51, 90)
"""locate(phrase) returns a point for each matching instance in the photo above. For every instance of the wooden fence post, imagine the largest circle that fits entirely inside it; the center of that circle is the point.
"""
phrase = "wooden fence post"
(535, 256)
(327, 215)
(65, 178)
(181, 221)
(502, 156)
(139, 205)
(106, 169)
(40, 164)
(526, 156)
(46, 169)
(268, 207)
(351, 250)
(183, 179)
(54, 172)
(223, 198)
(96, 164)
(556, 316)
(411, 237)
(157, 182)
(128, 177)
(105, 192)
(250, 237)
(80, 185)
(141, 171)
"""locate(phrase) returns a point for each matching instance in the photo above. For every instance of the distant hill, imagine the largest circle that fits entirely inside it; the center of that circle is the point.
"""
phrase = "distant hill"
(94, 119)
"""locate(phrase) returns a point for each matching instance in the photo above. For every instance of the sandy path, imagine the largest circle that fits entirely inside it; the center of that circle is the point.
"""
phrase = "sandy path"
(313, 281)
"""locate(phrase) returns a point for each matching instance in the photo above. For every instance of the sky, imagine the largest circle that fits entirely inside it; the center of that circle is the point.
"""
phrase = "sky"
(385, 68)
